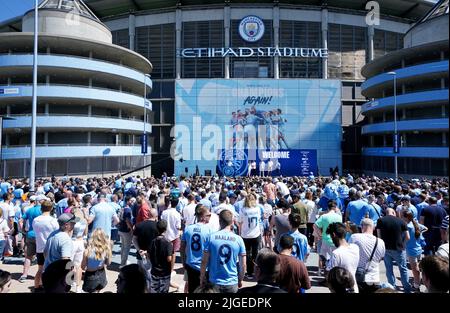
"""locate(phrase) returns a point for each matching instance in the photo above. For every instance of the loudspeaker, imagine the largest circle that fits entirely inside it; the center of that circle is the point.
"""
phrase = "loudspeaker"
(207, 172)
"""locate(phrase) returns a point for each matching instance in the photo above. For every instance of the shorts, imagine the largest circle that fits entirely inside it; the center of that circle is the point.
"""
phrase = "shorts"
(77, 253)
(31, 247)
(160, 284)
(413, 260)
(266, 227)
(40, 258)
(94, 281)
(176, 244)
(326, 251)
(16, 229)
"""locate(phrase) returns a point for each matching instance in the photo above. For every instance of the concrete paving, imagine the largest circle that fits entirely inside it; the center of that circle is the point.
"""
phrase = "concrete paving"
(14, 266)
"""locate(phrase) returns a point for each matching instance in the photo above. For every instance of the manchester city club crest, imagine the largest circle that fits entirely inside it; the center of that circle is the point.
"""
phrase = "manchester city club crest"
(233, 163)
(251, 28)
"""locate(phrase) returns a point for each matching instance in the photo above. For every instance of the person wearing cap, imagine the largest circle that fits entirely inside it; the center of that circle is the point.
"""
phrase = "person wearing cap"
(371, 252)
(59, 244)
(406, 205)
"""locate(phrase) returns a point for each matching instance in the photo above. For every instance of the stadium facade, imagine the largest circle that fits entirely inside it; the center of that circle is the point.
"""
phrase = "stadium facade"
(90, 113)
(421, 79)
(212, 58)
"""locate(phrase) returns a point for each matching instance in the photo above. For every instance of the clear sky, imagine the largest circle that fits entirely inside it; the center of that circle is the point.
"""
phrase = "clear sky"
(13, 8)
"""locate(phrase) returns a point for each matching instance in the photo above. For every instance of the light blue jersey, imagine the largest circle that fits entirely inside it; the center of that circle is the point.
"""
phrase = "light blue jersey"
(224, 249)
(197, 238)
(300, 249)
(374, 213)
(357, 211)
(413, 246)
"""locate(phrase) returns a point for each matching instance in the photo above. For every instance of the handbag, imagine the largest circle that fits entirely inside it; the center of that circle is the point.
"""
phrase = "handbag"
(361, 272)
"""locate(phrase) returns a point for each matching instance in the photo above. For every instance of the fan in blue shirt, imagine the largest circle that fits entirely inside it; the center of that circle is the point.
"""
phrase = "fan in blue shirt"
(194, 240)
(222, 255)
(300, 249)
(357, 210)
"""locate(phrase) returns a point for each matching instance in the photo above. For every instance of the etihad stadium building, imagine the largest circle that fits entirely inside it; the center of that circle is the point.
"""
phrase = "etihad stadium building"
(292, 64)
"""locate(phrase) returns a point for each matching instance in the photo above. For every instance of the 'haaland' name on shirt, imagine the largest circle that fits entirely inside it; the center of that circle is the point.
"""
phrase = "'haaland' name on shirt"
(224, 237)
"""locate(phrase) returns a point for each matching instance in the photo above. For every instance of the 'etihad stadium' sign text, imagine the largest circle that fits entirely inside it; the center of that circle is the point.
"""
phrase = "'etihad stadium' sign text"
(246, 52)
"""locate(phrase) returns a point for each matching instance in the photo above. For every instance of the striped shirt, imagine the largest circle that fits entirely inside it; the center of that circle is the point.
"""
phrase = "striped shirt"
(445, 223)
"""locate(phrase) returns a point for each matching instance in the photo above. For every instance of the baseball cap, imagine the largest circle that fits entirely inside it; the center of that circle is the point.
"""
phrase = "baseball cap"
(33, 198)
(67, 218)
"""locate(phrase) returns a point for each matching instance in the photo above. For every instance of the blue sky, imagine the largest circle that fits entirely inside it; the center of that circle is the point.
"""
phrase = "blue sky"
(13, 8)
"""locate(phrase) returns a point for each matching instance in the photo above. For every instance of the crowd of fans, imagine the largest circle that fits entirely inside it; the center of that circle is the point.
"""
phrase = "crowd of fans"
(226, 231)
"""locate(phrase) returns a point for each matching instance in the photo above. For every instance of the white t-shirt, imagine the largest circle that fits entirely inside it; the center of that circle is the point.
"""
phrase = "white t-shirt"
(3, 228)
(269, 165)
(8, 210)
(282, 188)
(43, 226)
(173, 219)
(250, 219)
(346, 257)
(214, 222)
(189, 214)
(262, 166)
(311, 209)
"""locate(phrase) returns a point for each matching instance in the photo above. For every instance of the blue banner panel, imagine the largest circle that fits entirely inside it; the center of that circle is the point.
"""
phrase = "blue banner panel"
(292, 162)
(144, 143)
(266, 114)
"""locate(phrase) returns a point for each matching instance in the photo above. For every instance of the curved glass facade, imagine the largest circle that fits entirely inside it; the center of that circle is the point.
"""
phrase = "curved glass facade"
(90, 110)
(422, 110)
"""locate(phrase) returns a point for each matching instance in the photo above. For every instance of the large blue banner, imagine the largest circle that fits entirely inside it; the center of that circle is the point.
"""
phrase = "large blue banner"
(264, 114)
(294, 162)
